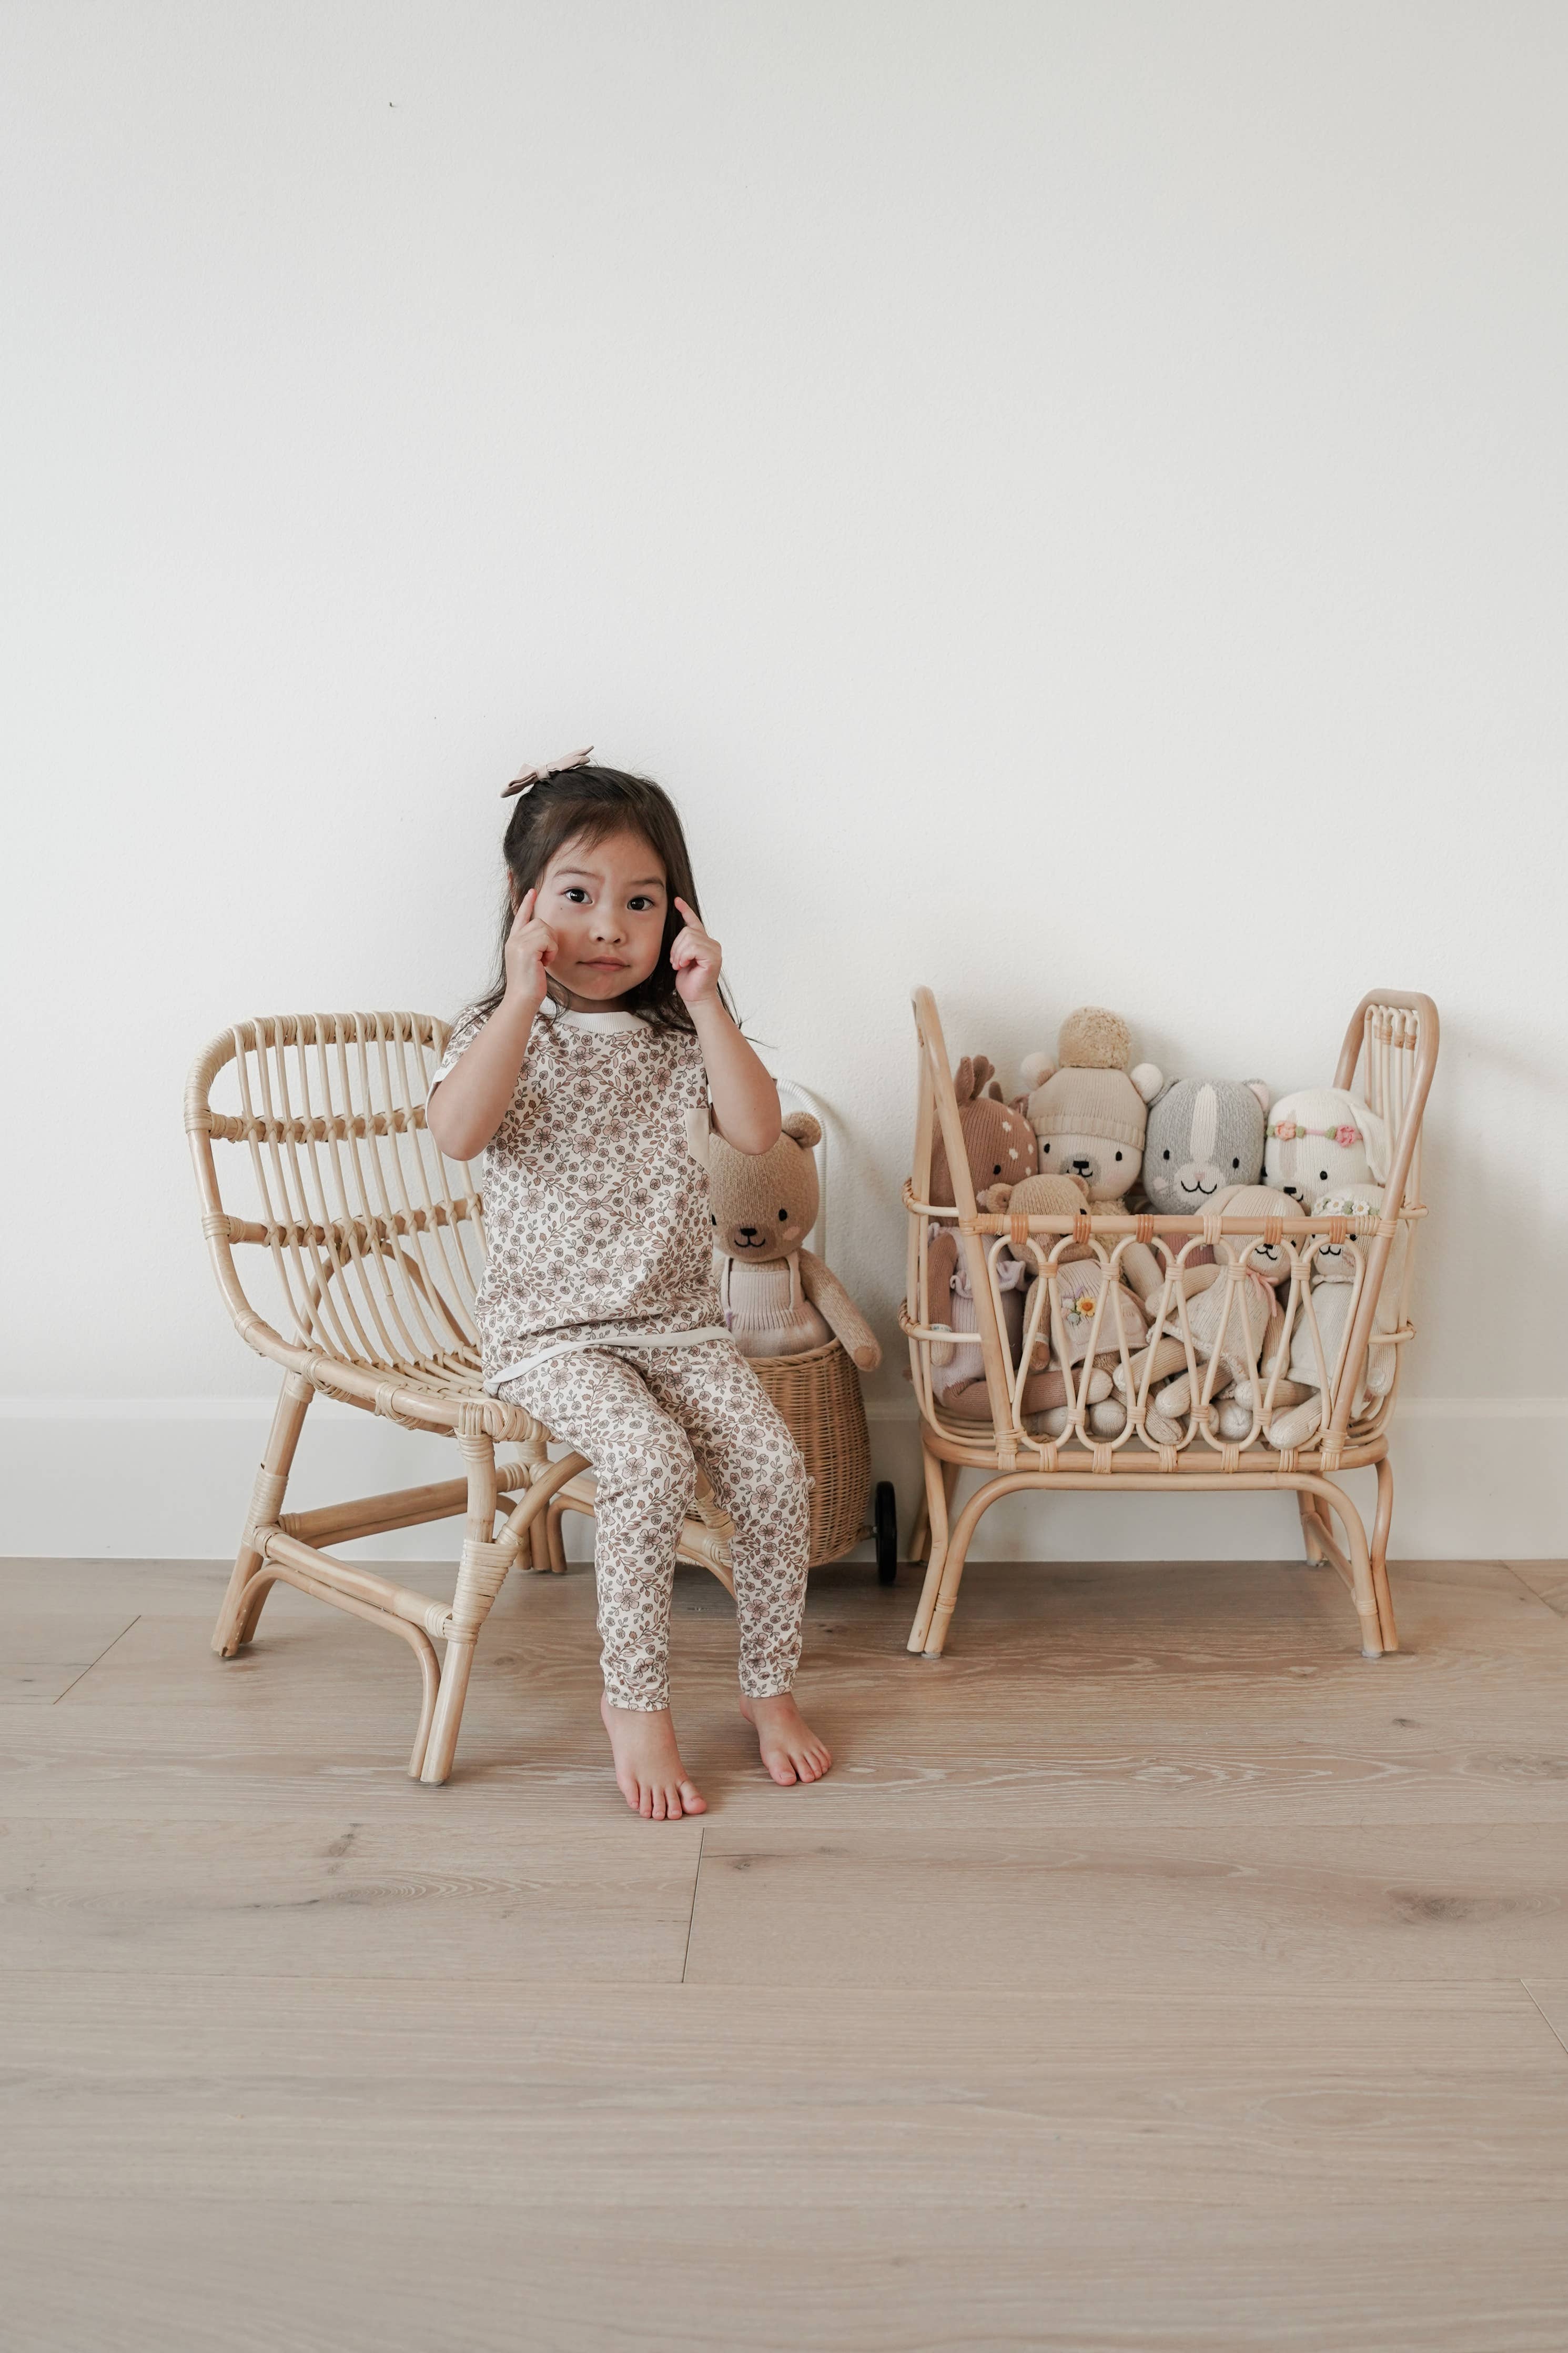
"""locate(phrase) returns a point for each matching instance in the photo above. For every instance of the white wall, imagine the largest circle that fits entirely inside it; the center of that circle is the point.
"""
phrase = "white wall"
(1071, 500)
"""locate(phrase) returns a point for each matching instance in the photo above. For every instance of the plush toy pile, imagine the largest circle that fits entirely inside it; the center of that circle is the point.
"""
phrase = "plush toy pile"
(1096, 1133)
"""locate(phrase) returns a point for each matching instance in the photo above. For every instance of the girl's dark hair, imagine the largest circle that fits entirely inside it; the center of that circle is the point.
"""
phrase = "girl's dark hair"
(587, 804)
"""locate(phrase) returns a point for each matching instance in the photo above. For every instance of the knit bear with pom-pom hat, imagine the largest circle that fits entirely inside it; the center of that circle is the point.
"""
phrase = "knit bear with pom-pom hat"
(1089, 1114)
(1089, 1109)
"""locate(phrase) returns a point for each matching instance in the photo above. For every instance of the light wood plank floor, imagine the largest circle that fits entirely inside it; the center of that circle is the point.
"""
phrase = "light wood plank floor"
(1153, 1975)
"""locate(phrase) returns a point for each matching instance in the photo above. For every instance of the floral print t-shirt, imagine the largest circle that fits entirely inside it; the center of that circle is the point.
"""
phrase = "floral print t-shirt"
(595, 1191)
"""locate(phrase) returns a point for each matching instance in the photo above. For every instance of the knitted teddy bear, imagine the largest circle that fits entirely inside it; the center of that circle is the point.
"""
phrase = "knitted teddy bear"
(1050, 1391)
(1089, 1112)
(778, 1299)
(958, 1372)
(1322, 1139)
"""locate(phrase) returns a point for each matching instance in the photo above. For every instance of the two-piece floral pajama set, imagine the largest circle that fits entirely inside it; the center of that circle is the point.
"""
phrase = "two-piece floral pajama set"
(599, 1314)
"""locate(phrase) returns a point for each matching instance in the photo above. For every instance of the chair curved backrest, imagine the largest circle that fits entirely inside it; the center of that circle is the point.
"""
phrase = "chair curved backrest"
(373, 1240)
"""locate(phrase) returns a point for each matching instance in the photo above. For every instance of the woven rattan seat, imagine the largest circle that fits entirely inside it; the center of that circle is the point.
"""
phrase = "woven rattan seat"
(370, 1245)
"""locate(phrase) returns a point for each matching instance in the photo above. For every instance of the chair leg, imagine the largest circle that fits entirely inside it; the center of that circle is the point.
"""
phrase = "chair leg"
(535, 1554)
(937, 1494)
(482, 1573)
(1379, 1533)
(555, 1536)
(237, 1619)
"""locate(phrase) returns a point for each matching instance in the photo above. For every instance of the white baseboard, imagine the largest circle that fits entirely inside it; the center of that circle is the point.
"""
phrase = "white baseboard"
(168, 1478)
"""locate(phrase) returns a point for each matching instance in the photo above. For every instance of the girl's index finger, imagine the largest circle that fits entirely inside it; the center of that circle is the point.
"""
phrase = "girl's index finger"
(691, 914)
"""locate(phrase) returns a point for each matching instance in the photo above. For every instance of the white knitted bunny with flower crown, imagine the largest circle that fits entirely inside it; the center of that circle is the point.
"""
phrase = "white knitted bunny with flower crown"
(1322, 1140)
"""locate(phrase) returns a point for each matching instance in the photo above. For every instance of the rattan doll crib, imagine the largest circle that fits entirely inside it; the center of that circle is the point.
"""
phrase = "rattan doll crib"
(374, 1243)
(1392, 1037)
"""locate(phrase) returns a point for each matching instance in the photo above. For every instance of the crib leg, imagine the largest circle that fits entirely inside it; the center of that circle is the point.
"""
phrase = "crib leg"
(1309, 1538)
(958, 1545)
(1381, 1528)
(937, 1493)
(554, 1514)
(920, 1535)
(921, 1529)
(1356, 1569)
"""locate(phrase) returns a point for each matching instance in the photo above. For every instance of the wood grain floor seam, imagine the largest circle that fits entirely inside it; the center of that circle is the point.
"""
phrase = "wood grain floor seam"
(95, 1663)
(1557, 2032)
(696, 1883)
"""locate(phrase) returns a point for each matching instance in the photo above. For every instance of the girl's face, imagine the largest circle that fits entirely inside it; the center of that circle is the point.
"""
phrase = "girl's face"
(606, 906)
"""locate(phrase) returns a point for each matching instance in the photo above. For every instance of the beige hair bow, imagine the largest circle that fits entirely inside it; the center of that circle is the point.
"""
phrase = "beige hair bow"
(531, 776)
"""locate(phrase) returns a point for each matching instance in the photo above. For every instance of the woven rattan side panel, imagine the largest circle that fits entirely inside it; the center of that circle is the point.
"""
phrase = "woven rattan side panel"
(818, 1393)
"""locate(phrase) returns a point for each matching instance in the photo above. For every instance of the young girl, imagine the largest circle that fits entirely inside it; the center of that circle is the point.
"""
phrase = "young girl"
(592, 1074)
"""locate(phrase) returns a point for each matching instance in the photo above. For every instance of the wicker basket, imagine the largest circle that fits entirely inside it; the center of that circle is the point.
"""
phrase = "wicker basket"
(818, 1393)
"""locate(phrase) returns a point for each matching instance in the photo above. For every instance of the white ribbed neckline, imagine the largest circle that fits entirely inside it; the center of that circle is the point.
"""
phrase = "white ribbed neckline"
(597, 1020)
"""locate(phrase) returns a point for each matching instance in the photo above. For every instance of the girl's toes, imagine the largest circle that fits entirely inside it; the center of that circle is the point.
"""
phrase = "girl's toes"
(693, 1798)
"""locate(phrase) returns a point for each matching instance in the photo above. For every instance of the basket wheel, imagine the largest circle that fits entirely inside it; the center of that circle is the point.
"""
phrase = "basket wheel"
(886, 1524)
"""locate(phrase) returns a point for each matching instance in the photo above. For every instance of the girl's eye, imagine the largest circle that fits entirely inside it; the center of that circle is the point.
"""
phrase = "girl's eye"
(575, 890)
(639, 903)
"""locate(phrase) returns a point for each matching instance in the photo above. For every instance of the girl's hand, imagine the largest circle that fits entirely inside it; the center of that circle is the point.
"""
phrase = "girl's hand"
(696, 958)
(529, 944)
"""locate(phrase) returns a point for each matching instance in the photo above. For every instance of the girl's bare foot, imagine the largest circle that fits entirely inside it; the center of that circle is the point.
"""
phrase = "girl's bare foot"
(791, 1750)
(650, 1774)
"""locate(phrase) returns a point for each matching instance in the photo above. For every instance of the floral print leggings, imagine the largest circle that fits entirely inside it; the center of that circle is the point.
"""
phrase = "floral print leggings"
(646, 1417)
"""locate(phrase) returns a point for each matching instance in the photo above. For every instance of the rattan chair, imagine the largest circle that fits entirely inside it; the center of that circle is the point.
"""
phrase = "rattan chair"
(373, 1243)
(1393, 1040)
